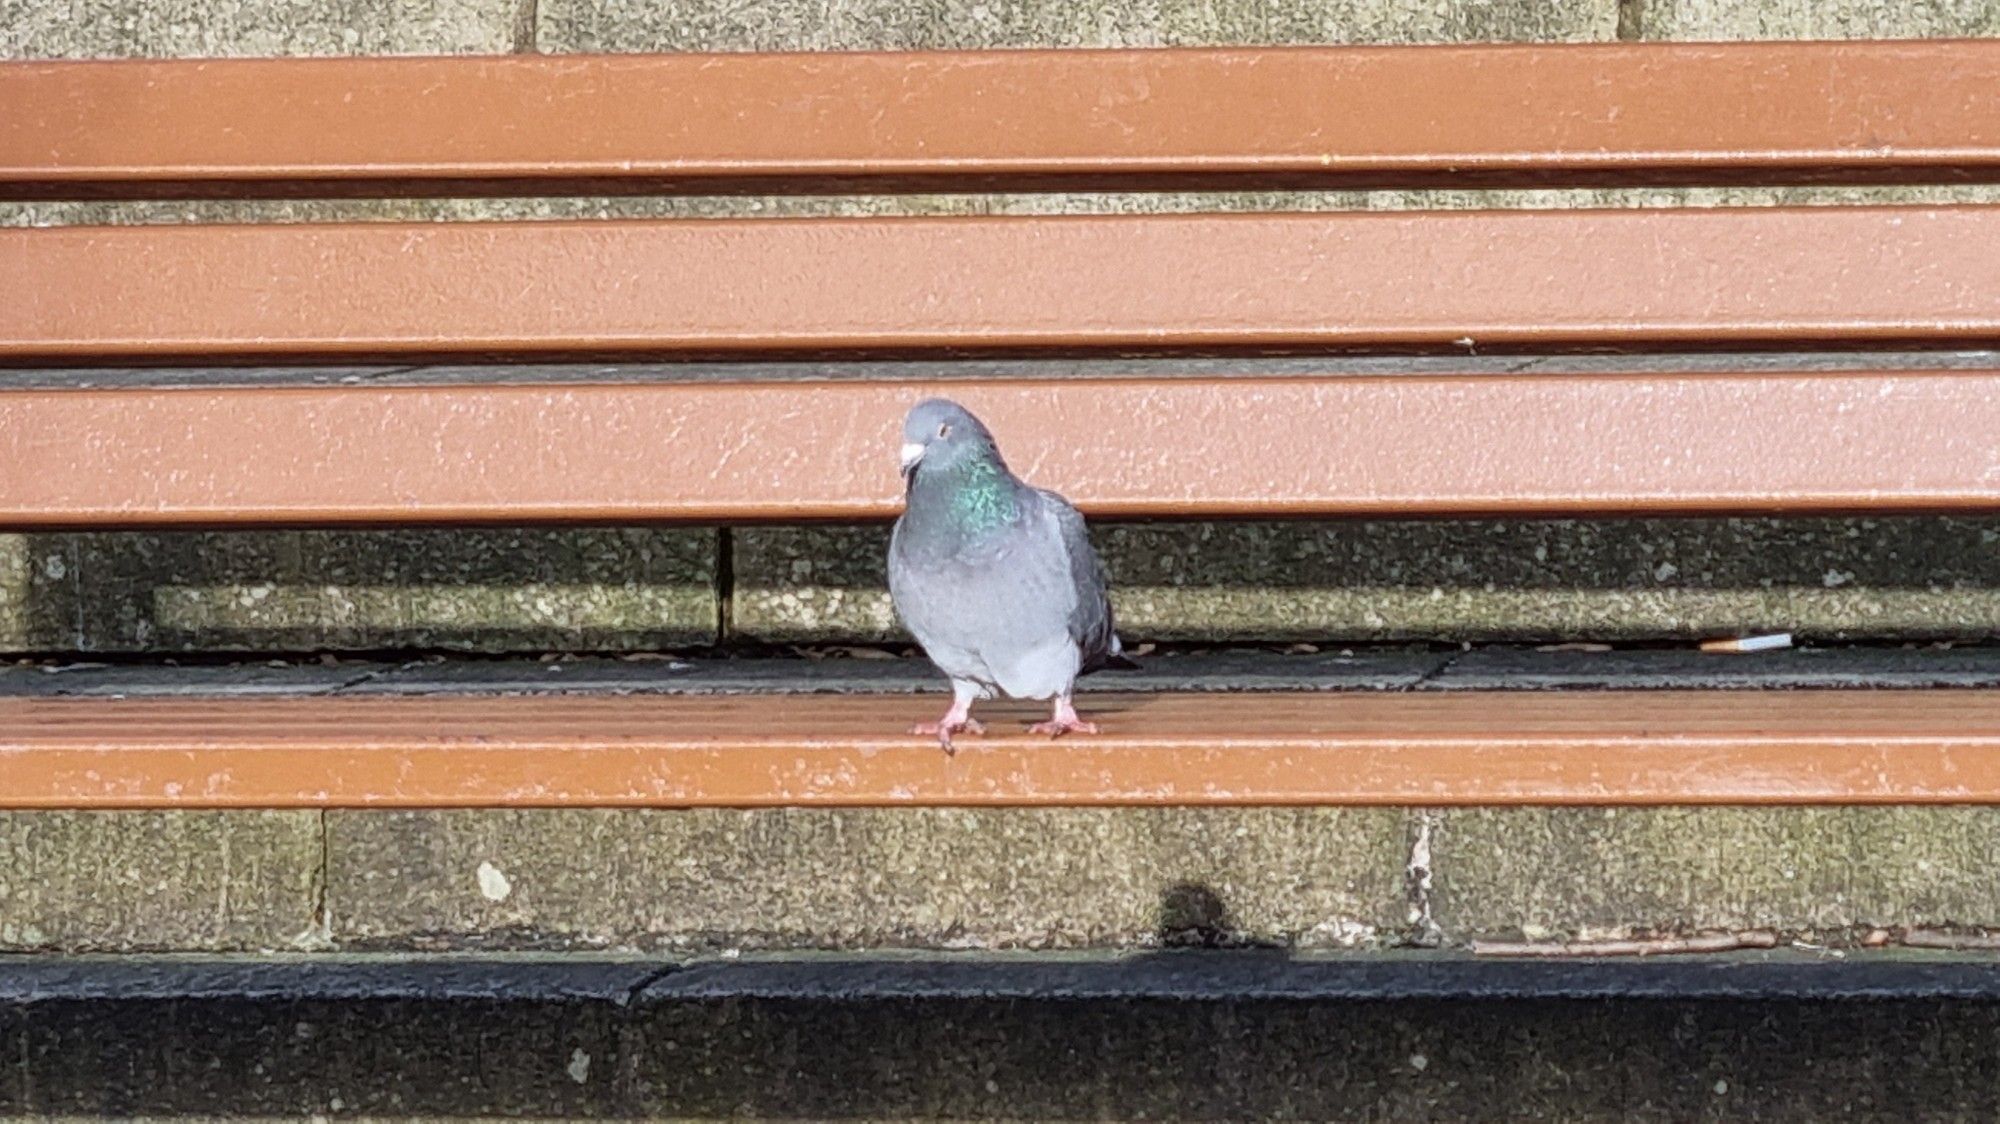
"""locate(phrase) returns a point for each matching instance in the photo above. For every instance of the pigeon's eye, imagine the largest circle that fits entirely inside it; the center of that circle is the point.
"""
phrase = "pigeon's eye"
(944, 430)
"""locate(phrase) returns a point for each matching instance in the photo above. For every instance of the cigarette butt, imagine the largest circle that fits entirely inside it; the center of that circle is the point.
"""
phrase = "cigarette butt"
(1764, 643)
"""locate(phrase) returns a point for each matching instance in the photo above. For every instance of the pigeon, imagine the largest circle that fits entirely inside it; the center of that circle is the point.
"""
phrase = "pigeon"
(995, 579)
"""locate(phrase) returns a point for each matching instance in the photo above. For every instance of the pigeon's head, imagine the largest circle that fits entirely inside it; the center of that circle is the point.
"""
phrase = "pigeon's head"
(939, 433)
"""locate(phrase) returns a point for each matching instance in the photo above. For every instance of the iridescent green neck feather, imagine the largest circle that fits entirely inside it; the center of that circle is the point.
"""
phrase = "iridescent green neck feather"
(984, 496)
(971, 494)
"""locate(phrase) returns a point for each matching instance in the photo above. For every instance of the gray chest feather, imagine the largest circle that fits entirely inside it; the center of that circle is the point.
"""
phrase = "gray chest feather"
(995, 612)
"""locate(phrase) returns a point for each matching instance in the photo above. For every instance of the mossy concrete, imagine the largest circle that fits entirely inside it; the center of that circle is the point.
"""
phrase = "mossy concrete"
(777, 25)
(134, 881)
(718, 879)
(210, 28)
(1904, 577)
(488, 590)
(823, 206)
(1605, 872)
(14, 587)
(1817, 19)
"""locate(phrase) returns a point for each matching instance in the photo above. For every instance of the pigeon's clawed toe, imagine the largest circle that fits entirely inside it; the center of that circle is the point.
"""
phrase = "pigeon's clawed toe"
(1063, 721)
(944, 729)
(1057, 727)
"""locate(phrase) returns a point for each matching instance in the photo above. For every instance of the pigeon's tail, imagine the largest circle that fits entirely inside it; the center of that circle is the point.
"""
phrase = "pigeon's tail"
(1109, 661)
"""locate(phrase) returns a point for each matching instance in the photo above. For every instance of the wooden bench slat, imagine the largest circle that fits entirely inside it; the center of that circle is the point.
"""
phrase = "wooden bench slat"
(1351, 116)
(1316, 748)
(1167, 447)
(1477, 279)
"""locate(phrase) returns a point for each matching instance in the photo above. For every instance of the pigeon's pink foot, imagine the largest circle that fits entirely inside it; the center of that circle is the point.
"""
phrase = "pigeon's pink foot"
(945, 727)
(1057, 727)
(1065, 721)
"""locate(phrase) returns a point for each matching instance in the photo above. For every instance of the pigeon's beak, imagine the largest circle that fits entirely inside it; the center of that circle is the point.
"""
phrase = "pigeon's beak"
(912, 453)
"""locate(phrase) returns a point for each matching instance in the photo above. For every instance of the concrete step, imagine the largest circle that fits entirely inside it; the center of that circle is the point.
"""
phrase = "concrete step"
(1216, 1035)
(724, 879)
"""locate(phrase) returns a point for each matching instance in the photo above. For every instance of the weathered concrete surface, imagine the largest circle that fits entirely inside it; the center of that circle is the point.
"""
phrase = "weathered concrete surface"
(1817, 19)
(865, 878)
(1604, 872)
(782, 1059)
(634, 25)
(691, 882)
(1450, 580)
(171, 28)
(14, 586)
(289, 591)
(120, 881)
(137, 212)
(812, 583)
(812, 206)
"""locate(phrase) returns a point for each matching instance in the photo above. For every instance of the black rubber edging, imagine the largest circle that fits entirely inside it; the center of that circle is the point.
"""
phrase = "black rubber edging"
(1361, 668)
(1181, 974)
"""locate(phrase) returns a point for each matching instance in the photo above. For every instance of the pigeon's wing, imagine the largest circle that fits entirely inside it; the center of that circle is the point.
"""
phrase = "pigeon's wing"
(1090, 621)
(923, 600)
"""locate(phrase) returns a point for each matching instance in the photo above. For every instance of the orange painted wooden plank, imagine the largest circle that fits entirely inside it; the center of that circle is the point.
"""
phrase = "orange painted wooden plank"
(1347, 116)
(1172, 446)
(1435, 280)
(1612, 747)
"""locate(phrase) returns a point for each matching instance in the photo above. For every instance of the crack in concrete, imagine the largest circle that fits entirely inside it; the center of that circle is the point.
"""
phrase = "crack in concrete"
(725, 584)
(527, 27)
(1631, 20)
(318, 933)
(640, 986)
(386, 373)
(1432, 673)
(323, 910)
(354, 681)
(1424, 931)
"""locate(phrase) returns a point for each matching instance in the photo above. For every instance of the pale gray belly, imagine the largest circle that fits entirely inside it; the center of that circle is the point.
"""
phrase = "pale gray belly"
(984, 628)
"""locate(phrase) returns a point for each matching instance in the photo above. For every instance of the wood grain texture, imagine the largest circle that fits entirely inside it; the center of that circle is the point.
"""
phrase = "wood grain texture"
(1613, 747)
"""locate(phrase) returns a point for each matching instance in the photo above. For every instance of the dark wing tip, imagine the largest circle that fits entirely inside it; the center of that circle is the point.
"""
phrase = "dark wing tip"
(1110, 661)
